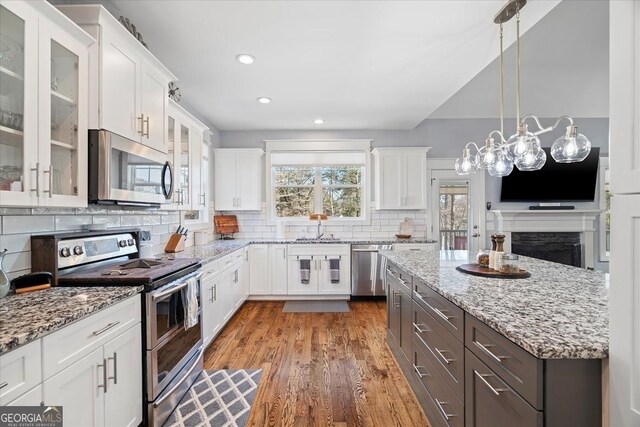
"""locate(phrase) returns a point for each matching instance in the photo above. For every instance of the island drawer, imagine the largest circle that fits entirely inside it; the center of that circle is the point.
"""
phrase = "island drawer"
(20, 370)
(490, 401)
(443, 350)
(401, 277)
(449, 315)
(518, 368)
(449, 409)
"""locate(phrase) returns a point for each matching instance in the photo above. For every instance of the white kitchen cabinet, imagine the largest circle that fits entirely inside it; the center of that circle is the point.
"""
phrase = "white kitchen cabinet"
(246, 273)
(211, 305)
(93, 368)
(43, 141)
(184, 145)
(31, 398)
(278, 269)
(400, 178)
(238, 179)
(260, 281)
(129, 89)
(20, 371)
(80, 390)
(320, 281)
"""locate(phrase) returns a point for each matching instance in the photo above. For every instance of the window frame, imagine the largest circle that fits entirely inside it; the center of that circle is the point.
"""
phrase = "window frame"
(332, 146)
(603, 167)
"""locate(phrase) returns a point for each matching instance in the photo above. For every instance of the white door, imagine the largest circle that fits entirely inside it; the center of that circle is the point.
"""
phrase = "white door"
(120, 88)
(390, 181)
(227, 294)
(414, 183)
(80, 389)
(225, 171)
(259, 283)
(203, 196)
(299, 281)
(278, 269)
(153, 106)
(31, 398)
(123, 400)
(457, 211)
(246, 274)
(183, 165)
(336, 282)
(248, 191)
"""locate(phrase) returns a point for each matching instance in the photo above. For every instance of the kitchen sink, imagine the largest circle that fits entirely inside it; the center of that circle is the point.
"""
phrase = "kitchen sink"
(322, 239)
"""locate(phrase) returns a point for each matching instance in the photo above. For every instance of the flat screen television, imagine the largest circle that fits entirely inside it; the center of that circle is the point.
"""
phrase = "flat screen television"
(555, 182)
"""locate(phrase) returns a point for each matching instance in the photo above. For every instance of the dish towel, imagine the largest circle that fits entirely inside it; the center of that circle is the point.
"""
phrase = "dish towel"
(334, 270)
(190, 301)
(305, 271)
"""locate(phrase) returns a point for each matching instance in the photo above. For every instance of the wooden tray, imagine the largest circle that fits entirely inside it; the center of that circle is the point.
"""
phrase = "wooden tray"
(477, 270)
(226, 224)
(403, 236)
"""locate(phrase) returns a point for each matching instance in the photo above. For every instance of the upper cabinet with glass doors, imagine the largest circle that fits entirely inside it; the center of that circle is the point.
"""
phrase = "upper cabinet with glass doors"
(43, 107)
(129, 85)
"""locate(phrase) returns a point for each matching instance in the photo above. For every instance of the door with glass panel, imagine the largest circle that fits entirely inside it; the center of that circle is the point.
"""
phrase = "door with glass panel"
(19, 167)
(63, 112)
(455, 212)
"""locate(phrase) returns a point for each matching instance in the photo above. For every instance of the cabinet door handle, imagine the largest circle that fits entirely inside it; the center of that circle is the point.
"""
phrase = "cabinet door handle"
(442, 356)
(105, 329)
(496, 391)
(105, 375)
(3, 385)
(211, 297)
(141, 130)
(147, 122)
(488, 352)
(215, 292)
(115, 368)
(239, 202)
(37, 171)
(442, 411)
(50, 172)
(204, 199)
(418, 373)
(418, 328)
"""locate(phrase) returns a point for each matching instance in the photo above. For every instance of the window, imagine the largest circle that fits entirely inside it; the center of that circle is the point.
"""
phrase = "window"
(313, 176)
(604, 179)
(336, 190)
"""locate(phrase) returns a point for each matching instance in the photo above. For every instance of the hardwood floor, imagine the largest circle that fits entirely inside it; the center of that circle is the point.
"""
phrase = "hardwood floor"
(320, 369)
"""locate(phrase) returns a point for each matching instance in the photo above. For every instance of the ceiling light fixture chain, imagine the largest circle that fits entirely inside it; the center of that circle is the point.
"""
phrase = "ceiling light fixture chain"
(523, 149)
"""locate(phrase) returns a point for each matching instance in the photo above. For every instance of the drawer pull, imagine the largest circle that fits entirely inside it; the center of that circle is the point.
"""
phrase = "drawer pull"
(419, 328)
(115, 368)
(488, 352)
(442, 356)
(105, 375)
(418, 373)
(442, 411)
(496, 391)
(3, 385)
(105, 329)
(395, 304)
(441, 314)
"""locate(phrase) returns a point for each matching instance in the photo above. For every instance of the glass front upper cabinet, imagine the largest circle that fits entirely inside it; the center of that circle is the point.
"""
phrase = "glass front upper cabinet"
(185, 166)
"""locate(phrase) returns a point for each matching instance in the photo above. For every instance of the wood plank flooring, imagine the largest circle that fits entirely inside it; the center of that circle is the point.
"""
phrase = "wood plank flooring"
(320, 369)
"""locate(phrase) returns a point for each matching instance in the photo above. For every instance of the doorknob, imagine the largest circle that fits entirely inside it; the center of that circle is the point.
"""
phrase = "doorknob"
(475, 235)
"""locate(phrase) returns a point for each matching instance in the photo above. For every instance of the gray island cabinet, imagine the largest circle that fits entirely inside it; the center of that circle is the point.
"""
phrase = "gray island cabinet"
(492, 352)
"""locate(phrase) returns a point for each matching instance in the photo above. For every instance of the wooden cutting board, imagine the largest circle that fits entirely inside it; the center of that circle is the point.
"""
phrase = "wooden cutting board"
(226, 224)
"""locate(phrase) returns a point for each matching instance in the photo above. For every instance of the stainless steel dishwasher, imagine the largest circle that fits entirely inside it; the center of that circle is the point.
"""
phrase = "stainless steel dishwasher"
(367, 270)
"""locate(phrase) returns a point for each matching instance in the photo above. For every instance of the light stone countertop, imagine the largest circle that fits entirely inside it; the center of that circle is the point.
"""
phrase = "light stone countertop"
(27, 317)
(560, 312)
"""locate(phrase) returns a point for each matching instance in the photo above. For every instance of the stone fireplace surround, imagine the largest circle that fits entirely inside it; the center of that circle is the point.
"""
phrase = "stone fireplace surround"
(553, 229)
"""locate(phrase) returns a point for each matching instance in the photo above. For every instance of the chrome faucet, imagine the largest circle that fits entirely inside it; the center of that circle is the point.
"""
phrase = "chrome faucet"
(319, 234)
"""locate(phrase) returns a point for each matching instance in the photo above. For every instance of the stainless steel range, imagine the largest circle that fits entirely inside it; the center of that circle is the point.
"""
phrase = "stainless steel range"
(172, 355)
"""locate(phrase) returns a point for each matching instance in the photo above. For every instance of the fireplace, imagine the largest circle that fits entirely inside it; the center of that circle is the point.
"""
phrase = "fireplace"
(563, 248)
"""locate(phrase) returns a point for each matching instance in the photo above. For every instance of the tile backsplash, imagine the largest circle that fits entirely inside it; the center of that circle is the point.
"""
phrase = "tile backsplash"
(17, 226)
(384, 224)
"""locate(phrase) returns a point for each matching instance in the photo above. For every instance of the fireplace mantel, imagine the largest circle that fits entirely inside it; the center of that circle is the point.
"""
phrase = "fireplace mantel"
(582, 221)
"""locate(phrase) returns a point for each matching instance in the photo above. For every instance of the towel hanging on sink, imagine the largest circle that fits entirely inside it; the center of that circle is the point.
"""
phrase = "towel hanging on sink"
(334, 270)
(305, 271)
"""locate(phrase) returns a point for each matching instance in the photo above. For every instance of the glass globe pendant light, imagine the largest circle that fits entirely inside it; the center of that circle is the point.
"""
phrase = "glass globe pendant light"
(523, 142)
(486, 158)
(532, 159)
(466, 165)
(572, 147)
(503, 165)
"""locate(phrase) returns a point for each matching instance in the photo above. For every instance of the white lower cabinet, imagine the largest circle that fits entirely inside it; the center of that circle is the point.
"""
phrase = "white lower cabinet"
(319, 270)
(20, 371)
(260, 283)
(210, 301)
(278, 269)
(31, 398)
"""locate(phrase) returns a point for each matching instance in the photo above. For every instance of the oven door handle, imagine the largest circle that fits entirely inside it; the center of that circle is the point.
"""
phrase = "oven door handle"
(179, 383)
(173, 289)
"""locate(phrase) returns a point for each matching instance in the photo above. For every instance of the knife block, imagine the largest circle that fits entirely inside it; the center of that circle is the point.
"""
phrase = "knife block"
(175, 243)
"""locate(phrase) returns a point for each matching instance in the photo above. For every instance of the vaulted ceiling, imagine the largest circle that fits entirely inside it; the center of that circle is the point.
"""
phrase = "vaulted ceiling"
(355, 64)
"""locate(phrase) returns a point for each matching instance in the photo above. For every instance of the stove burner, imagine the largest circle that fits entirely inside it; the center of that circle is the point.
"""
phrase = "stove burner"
(140, 263)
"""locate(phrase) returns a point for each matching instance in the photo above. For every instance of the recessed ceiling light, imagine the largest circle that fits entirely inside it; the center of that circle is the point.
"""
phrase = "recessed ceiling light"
(318, 121)
(245, 58)
(264, 100)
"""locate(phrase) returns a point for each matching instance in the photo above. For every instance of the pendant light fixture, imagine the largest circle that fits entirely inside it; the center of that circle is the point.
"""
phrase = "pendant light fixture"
(522, 149)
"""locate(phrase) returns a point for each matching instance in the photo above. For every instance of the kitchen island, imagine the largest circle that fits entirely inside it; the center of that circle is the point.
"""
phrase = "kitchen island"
(482, 351)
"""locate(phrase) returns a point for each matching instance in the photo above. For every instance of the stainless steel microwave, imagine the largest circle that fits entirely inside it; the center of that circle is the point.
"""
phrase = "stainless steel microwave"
(126, 172)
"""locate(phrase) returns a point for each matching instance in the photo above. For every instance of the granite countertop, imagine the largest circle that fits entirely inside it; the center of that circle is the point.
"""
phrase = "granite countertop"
(220, 248)
(560, 312)
(30, 316)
